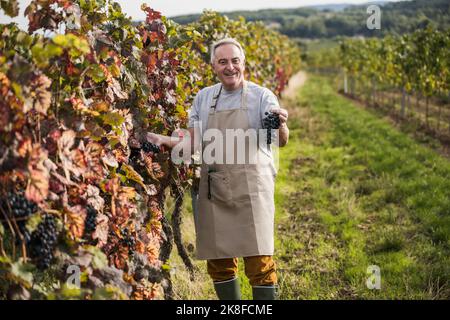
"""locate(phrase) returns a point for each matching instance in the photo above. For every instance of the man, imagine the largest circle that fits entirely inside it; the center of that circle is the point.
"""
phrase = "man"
(235, 214)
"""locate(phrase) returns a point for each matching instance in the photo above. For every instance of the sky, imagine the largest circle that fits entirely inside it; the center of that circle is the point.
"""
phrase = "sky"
(171, 8)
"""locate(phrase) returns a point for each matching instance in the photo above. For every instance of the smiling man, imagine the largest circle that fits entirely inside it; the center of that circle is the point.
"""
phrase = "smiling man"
(235, 211)
(228, 62)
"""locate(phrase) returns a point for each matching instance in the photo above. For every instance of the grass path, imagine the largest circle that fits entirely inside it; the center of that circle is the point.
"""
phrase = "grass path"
(351, 192)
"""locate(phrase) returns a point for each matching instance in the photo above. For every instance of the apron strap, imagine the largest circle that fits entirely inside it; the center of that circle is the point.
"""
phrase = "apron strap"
(244, 94)
(215, 99)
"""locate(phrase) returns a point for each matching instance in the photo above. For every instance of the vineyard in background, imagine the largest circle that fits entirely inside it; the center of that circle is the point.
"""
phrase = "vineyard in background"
(408, 76)
(79, 187)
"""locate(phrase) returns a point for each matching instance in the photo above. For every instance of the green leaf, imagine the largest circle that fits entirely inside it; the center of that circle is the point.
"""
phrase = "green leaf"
(10, 7)
(180, 111)
(61, 40)
(113, 119)
(122, 178)
(5, 260)
(99, 259)
(24, 39)
(76, 45)
(69, 291)
(17, 90)
(52, 50)
(33, 222)
(96, 73)
(109, 292)
(165, 267)
(21, 272)
(131, 174)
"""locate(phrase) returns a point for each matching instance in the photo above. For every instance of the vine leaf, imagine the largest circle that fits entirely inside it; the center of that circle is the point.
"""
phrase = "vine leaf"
(76, 216)
(131, 174)
(115, 89)
(113, 119)
(11, 7)
(22, 273)
(94, 199)
(66, 141)
(110, 160)
(99, 260)
(38, 182)
(42, 95)
(101, 230)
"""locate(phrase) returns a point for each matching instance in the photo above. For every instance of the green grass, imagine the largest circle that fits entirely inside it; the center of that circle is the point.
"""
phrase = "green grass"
(377, 196)
(351, 192)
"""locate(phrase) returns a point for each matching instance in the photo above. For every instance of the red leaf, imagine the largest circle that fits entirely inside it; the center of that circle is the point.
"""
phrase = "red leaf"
(66, 141)
(75, 221)
(42, 96)
(37, 188)
(24, 147)
(94, 199)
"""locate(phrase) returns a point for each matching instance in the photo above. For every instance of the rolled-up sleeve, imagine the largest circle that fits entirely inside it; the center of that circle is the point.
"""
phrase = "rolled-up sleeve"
(268, 101)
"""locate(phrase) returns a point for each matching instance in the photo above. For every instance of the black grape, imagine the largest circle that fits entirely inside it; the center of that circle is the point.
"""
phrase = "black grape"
(91, 220)
(150, 147)
(21, 208)
(43, 242)
(270, 122)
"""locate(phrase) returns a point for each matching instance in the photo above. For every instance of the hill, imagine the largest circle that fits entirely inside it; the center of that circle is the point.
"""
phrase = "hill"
(328, 21)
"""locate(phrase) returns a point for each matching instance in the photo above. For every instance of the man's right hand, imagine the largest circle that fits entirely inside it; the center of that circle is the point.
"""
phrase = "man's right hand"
(170, 142)
(157, 139)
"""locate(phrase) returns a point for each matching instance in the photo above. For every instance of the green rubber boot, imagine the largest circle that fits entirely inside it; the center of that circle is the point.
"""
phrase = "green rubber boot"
(265, 292)
(228, 289)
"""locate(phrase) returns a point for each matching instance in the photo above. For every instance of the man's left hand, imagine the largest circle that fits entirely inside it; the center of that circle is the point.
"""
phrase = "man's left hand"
(283, 115)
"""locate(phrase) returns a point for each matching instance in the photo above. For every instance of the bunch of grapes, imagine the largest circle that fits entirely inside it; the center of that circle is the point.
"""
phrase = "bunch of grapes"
(21, 208)
(128, 239)
(150, 147)
(91, 220)
(43, 242)
(271, 121)
(135, 153)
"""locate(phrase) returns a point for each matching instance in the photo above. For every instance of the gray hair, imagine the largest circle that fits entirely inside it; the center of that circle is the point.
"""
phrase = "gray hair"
(219, 43)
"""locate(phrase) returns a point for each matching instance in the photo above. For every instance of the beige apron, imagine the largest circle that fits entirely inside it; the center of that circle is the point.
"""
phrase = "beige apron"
(235, 215)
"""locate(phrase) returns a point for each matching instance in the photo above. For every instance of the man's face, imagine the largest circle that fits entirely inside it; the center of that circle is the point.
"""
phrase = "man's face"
(229, 66)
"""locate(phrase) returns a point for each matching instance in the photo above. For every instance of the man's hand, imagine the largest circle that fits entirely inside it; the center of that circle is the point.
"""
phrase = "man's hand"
(283, 114)
(284, 130)
(178, 136)
(156, 139)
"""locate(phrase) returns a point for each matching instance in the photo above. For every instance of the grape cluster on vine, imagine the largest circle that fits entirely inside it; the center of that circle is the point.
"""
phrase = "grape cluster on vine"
(43, 242)
(91, 220)
(20, 209)
(128, 239)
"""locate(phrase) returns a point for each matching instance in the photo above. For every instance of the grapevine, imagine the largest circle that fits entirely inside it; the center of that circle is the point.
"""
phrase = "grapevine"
(412, 64)
(80, 186)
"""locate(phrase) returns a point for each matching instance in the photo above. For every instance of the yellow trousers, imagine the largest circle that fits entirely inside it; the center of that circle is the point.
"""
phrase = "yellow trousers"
(260, 270)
